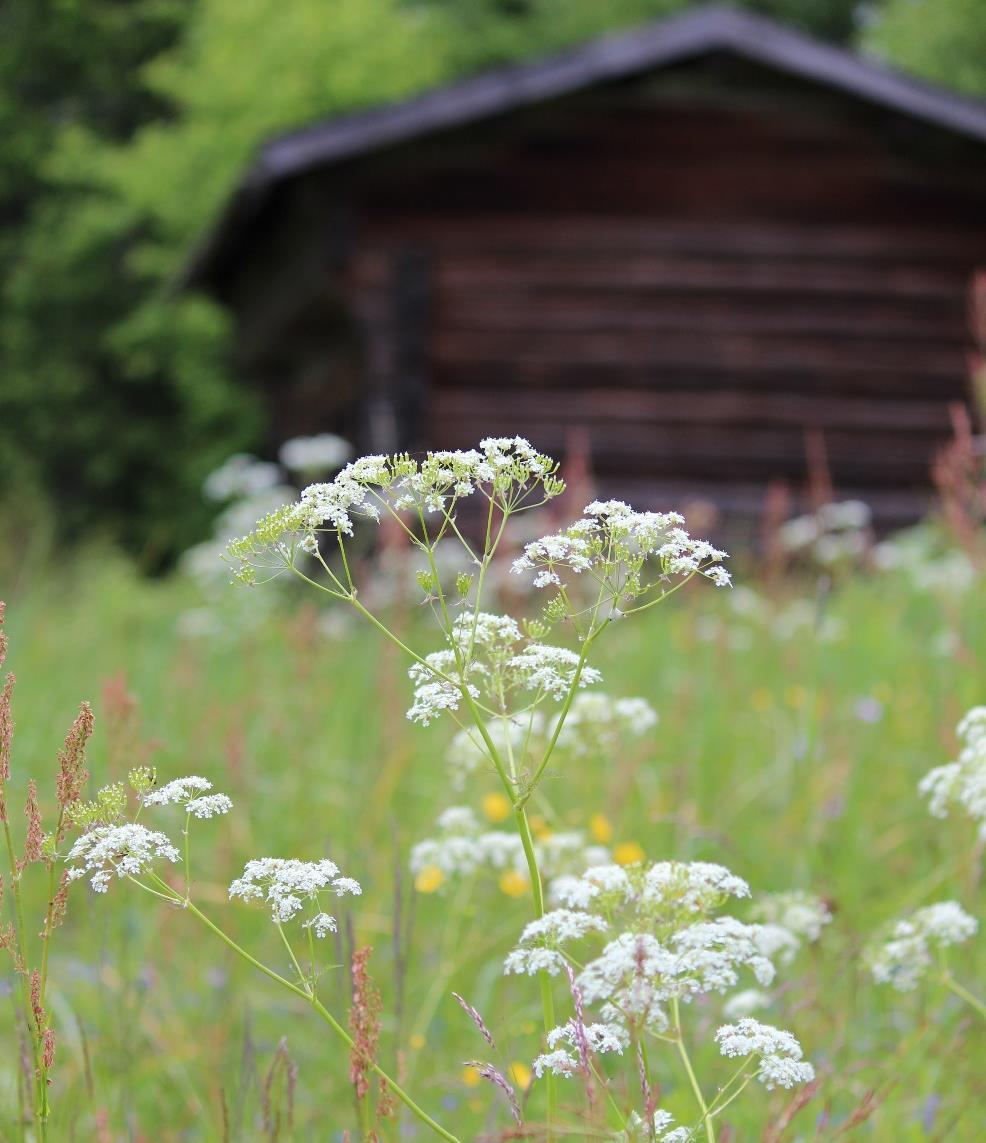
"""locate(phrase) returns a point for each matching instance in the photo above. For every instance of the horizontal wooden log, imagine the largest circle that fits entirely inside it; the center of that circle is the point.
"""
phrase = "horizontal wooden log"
(632, 446)
(532, 277)
(903, 320)
(737, 498)
(523, 233)
(508, 378)
(712, 350)
(717, 408)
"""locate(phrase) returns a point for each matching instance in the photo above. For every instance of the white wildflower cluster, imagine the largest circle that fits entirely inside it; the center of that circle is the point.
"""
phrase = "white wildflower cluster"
(288, 886)
(638, 974)
(835, 534)
(191, 794)
(923, 557)
(506, 470)
(751, 614)
(248, 489)
(490, 649)
(316, 454)
(668, 946)
(612, 542)
(661, 1127)
(462, 849)
(126, 850)
(792, 917)
(665, 893)
(594, 1038)
(241, 477)
(745, 1003)
(539, 947)
(597, 725)
(778, 1053)
(962, 784)
(907, 954)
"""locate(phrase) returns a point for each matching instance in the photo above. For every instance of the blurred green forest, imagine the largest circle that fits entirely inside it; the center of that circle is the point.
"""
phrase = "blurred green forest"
(126, 124)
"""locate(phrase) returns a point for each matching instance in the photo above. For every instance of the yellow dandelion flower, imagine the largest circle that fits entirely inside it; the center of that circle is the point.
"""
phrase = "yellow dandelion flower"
(496, 807)
(470, 1077)
(796, 695)
(628, 853)
(540, 828)
(514, 884)
(429, 879)
(601, 829)
(520, 1074)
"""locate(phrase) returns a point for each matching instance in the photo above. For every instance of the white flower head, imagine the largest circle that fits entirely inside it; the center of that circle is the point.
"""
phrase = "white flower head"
(961, 784)
(690, 886)
(538, 949)
(321, 924)
(612, 536)
(906, 955)
(745, 1003)
(802, 914)
(661, 1128)
(559, 1063)
(180, 790)
(287, 886)
(316, 454)
(209, 806)
(779, 1063)
(126, 850)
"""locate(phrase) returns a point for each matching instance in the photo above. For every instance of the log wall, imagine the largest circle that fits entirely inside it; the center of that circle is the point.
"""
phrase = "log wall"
(695, 288)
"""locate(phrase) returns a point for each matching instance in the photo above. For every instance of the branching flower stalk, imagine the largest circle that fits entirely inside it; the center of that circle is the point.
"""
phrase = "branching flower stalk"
(490, 671)
(111, 847)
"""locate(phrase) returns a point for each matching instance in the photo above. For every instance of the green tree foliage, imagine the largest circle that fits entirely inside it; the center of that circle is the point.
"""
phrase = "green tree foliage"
(943, 40)
(117, 390)
(488, 31)
(70, 418)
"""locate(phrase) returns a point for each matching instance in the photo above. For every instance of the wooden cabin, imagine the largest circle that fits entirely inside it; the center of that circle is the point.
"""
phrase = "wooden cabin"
(708, 249)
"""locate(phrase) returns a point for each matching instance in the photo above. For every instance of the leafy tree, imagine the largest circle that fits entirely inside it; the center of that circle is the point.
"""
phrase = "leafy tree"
(943, 40)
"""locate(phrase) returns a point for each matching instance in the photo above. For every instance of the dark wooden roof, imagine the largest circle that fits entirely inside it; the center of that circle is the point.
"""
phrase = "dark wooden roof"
(689, 35)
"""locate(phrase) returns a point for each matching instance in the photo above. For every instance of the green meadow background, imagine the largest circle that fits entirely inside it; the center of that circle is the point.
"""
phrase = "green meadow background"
(792, 760)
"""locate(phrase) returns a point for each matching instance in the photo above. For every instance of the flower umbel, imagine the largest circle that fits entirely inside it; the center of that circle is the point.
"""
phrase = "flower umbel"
(288, 886)
(126, 850)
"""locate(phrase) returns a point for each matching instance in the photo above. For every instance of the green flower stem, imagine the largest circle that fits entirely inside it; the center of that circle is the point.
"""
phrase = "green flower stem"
(544, 980)
(710, 1134)
(963, 993)
(294, 959)
(566, 707)
(719, 1108)
(41, 1106)
(720, 1103)
(604, 1083)
(187, 870)
(307, 996)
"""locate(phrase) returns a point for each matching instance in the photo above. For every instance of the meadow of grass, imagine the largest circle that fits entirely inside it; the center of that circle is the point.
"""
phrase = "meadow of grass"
(792, 757)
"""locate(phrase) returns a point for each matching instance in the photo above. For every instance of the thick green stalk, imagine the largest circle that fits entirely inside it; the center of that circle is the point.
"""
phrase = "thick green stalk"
(547, 1000)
